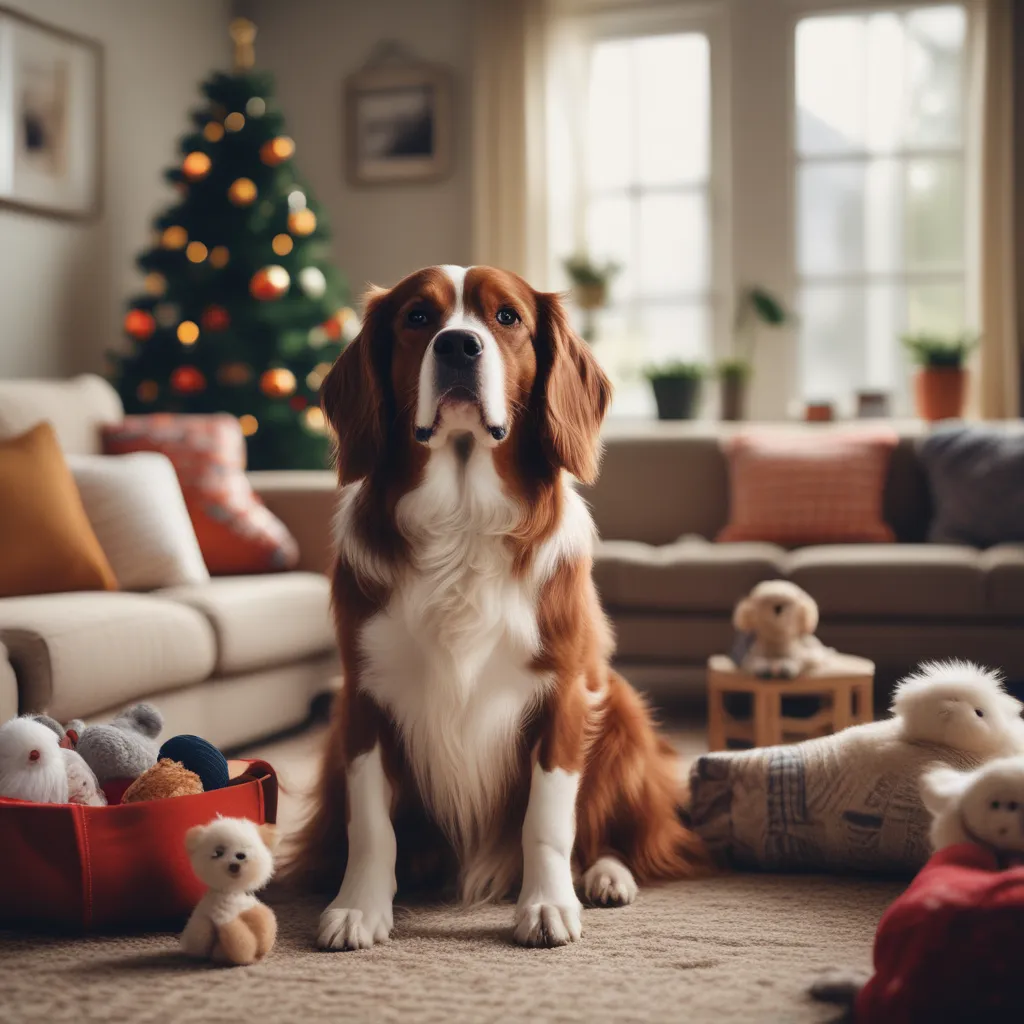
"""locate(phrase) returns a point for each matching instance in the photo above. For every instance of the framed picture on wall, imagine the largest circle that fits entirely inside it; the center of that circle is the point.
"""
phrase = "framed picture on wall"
(50, 121)
(399, 124)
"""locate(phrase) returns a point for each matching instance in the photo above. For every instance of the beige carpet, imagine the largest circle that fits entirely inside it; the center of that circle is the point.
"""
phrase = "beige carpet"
(739, 948)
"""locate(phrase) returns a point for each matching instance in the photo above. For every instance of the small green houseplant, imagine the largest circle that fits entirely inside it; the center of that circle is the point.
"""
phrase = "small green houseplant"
(590, 283)
(940, 384)
(754, 306)
(677, 389)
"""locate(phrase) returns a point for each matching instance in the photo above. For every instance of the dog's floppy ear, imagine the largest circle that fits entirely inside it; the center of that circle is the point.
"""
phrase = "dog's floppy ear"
(941, 788)
(270, 836)
(575, 393)
(352, 394)
(808, 612)
(194, 839)
(743, 615)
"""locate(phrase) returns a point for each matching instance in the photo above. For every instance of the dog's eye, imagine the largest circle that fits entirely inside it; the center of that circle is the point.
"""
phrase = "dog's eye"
(779, 609)
(1012, 805)
(416, 318)
(507, 316)
(219, 852)
(995, 805)
(979, 712)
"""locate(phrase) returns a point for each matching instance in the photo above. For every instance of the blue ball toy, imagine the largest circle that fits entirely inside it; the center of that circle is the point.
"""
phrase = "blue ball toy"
(198, 756)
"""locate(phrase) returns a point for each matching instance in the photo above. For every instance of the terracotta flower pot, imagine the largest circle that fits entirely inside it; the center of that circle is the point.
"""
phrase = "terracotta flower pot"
(940, 392)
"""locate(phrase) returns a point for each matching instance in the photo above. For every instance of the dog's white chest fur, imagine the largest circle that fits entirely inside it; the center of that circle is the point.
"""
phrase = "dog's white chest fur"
(450, 657)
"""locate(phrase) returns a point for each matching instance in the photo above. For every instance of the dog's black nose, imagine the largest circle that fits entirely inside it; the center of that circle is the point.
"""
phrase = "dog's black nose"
(234, 868)
(457, 349)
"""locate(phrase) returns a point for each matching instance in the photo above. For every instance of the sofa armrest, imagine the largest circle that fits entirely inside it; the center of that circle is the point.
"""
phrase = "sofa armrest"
(304, 501)
(8, 688)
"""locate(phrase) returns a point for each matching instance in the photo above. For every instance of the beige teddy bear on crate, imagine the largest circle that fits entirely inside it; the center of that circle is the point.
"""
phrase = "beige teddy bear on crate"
(229, 924)
(781, 618)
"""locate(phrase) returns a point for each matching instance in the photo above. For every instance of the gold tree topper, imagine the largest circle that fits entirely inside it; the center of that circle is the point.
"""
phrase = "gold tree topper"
(243, 32)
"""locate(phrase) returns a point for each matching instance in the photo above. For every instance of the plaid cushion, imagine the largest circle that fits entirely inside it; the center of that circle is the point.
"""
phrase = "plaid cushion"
(792, 489)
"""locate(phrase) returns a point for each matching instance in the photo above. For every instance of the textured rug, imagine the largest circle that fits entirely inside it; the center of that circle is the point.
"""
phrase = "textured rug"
(735, 948)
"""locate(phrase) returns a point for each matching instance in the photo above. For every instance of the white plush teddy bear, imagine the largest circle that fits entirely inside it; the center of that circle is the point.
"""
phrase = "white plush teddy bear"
(960, 705)
(783, 618)
(985, 806)
(229, 924)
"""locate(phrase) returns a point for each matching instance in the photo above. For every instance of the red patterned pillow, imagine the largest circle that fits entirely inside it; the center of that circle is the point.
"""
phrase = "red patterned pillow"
(794, 488)
(237, 533)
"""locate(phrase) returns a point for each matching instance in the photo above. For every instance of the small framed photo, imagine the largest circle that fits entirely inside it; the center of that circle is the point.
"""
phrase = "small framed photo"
(50, 121)
(399, 124)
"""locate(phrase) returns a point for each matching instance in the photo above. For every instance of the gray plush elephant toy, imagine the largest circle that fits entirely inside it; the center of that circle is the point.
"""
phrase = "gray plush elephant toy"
(123, 748)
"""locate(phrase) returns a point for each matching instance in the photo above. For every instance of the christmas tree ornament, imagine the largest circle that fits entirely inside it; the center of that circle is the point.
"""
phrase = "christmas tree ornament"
(166, 314)
(318, 336)
(249, 424)
(234, 374)
(276, 151)
(219, 256)
(195, 166)
(215, 318)
(296, 199)
(195, 252)
(350, 324)
(187, 380)
(269, 283)
(277, 382)
(315, 377)
(147, 391)
(155, 284)
(139, 324)
(256, 107)
(302, 222)
(242, 191)
(315, 420)
(213, 132)
(234, 122)
(188, 332)
(297, 403)
(174, 237)
(312, 282)
(282, 244)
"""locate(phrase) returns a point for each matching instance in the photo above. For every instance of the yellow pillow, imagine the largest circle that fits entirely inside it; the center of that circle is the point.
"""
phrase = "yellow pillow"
(46, 543)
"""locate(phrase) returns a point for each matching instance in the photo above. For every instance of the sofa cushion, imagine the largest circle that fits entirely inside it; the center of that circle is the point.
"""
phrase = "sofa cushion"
(1004, 579)
(914, 581)
(263, 620)
(8, 688)
(690, 575)
(77, 654)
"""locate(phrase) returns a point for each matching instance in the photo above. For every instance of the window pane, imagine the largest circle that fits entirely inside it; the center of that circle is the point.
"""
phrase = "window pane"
(673, 244)
(831, 71)
(672, 108)
(830, 235)
(610, 127)
(609, 237)
(935, 214)
(674, 331)
(832, 329)
(885, 56)
(935, 44)
(936, 307)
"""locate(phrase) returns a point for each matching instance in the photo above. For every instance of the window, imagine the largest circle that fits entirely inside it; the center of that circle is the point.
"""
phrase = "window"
(641, 200)
(880, 192)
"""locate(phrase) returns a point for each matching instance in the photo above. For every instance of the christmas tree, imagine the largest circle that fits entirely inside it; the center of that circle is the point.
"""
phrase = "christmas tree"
(242, 311)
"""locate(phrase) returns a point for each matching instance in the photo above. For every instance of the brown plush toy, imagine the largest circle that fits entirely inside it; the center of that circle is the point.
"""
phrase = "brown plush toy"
(165, 779)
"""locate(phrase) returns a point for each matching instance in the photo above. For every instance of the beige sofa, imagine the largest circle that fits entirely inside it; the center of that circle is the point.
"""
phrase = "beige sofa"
(663, 494)
(232, 660)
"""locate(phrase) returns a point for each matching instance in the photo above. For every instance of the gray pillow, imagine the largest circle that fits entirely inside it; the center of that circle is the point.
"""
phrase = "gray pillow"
(976, 475)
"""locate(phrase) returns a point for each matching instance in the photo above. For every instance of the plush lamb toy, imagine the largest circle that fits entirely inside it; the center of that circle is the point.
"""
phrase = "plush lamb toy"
(31, 765)
(229, 924)
(124, 748)
(959, 705)
(782, 618)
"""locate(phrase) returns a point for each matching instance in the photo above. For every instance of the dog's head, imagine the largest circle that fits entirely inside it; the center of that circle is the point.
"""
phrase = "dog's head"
(466, 356)
(777, 610)
(232, 854)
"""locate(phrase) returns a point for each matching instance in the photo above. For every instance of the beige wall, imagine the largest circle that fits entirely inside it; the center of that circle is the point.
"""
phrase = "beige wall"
(384, 232)
(63, 284)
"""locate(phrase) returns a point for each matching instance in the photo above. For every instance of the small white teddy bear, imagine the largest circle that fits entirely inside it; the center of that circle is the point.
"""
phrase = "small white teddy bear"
(984, 806)
(229, 924)
(961, 705)
(783, 618)
(82, 785)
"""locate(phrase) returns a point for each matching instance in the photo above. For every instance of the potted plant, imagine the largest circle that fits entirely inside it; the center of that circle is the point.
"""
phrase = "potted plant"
(940, 384)
(754, 306)
(677, 389)
(589, 288)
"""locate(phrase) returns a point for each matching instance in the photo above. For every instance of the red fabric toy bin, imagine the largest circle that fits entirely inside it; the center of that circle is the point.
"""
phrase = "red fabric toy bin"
(77, 868)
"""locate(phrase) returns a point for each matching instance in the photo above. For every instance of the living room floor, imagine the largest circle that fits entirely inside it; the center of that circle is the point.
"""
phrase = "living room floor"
(740, 947)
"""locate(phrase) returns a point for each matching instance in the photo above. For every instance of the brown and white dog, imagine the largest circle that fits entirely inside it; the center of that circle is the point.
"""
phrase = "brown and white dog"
(481, 739)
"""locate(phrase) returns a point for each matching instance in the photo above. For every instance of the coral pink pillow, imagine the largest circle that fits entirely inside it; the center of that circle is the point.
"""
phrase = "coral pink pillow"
(237, 533)
(794, 489)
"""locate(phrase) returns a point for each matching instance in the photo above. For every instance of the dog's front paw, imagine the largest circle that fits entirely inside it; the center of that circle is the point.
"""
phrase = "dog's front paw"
(545, 924)
(609, 883)
(345, 928)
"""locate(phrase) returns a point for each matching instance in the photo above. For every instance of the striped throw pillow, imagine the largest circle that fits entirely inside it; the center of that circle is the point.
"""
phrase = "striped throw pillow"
(795, 489)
